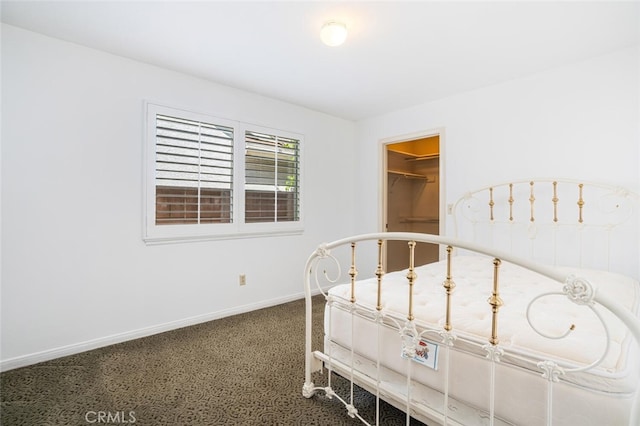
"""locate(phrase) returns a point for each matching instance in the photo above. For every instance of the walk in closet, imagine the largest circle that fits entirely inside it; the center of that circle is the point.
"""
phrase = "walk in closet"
(413, 199)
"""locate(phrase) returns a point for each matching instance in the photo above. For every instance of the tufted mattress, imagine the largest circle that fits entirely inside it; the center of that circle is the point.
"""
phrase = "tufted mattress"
(609, 386)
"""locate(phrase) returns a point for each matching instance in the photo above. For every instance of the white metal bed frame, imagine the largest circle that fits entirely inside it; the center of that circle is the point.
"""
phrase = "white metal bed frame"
(614, 208)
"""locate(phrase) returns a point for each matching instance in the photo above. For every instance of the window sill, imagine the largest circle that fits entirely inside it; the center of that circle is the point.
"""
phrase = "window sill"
(173, 239)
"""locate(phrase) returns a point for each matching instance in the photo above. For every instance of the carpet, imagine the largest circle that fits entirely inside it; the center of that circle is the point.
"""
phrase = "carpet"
(246, 369)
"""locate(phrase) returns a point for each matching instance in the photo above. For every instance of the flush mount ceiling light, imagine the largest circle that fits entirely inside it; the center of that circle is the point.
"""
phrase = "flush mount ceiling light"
(333, 33)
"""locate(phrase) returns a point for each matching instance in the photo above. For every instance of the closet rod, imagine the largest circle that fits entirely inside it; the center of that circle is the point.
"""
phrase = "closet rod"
(423, 157)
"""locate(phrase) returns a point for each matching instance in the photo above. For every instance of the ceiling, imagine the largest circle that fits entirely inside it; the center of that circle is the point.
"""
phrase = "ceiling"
(398, 53)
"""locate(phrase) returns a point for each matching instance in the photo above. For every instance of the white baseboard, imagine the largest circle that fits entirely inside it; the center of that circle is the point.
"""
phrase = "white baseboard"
(34, 358)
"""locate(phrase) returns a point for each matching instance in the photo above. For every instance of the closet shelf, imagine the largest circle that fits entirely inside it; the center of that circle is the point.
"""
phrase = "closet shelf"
(419, 219)
(422, 157)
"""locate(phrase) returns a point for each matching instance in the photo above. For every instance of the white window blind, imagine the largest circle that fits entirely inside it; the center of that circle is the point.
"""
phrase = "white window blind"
(272, 178)
(209, 178)
(194, 172)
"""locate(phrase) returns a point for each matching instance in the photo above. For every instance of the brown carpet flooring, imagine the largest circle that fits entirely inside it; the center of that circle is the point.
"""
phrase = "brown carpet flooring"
(246, 369)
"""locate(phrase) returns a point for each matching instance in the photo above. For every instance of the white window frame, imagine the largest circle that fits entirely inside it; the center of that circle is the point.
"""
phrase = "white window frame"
(162, 234)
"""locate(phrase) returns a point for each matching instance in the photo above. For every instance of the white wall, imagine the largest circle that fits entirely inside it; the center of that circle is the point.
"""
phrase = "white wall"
(75, 271)
(580, 121)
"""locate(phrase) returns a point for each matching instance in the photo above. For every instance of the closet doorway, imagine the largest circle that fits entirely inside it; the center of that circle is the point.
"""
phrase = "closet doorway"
(412, 197)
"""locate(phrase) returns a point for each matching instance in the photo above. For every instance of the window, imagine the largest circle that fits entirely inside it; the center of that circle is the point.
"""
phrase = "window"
(194, 172)
(271, 178)
(210, 178)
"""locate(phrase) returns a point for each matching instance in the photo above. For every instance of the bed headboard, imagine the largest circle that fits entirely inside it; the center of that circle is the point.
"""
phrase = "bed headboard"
(555, 221)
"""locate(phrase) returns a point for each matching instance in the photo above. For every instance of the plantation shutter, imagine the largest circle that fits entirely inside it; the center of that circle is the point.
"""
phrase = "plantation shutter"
(194, 172)
(272, 178)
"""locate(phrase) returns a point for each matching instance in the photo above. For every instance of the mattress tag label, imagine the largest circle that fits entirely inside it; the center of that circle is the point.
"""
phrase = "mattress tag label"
(426, 354)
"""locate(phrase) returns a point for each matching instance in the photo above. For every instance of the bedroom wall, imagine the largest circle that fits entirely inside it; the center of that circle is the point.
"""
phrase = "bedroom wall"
(579, 121)
(75, 271)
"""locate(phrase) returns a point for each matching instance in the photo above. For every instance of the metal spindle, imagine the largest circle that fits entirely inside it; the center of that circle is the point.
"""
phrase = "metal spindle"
(379, 274)
(449, 285)
(353, 273)
(496, 302)
(411, 276)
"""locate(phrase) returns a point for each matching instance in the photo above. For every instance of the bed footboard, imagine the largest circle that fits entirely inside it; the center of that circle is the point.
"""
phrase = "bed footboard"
(418, 339)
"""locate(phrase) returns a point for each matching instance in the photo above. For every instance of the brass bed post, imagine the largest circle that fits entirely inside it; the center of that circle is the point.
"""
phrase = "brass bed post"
(580, 202)
(449, 285)
(532, 199)
(495, 303)
(555, 201)
(411, 276)
(353, 272)
(491, 204)
(379, 274)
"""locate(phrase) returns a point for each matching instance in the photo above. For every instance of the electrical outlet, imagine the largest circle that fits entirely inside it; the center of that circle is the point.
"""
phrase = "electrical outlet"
(243, 279)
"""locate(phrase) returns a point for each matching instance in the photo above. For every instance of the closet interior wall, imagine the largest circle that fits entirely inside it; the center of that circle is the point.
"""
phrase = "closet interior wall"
(412, 205)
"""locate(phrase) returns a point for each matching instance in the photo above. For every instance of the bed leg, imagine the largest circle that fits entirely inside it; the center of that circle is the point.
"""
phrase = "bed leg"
(313, 365)
(308, 389)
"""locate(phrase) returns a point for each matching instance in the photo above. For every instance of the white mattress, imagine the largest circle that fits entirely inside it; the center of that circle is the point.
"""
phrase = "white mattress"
(613, 381)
